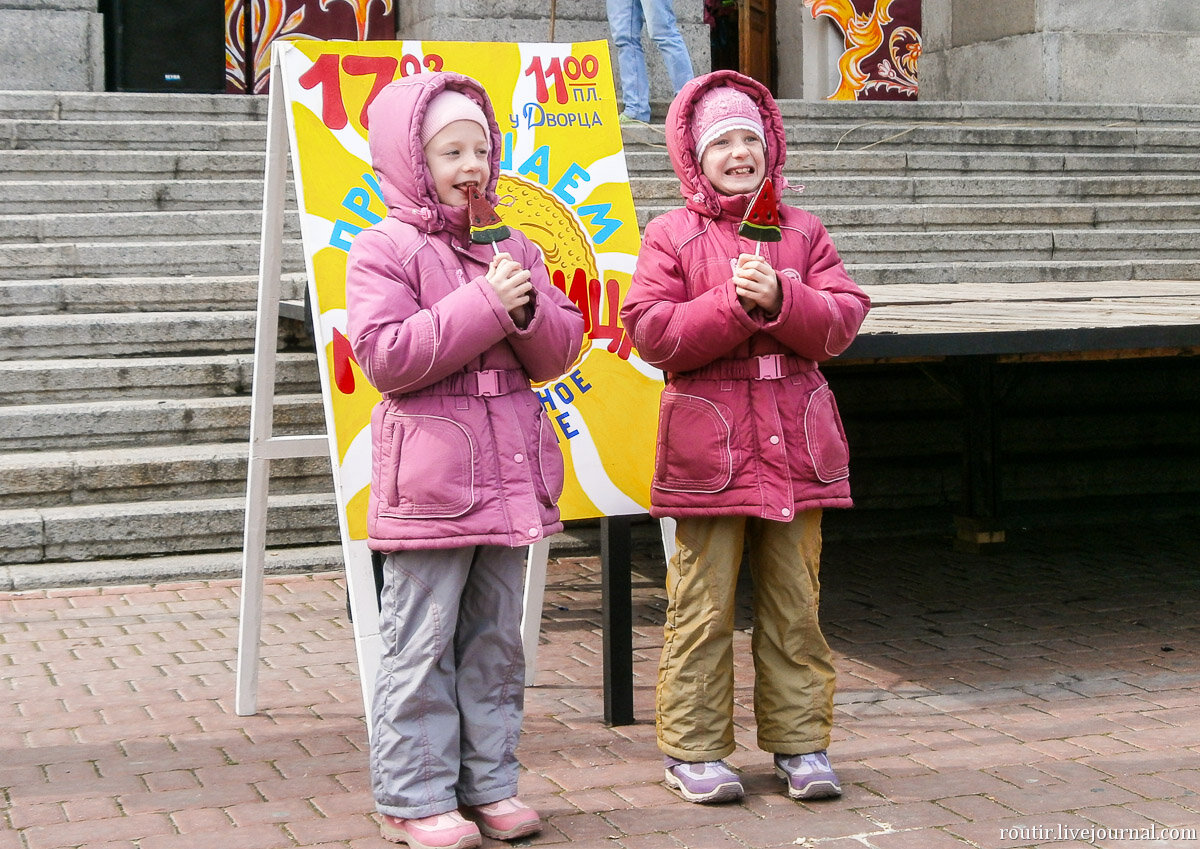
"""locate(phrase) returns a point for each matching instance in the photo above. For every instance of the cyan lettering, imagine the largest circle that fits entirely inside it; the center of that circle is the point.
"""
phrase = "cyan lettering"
(375, 187)
(338, 239)
(506, 153)
(358, 201)
(570, 180)
(537, 165)
(598, 215)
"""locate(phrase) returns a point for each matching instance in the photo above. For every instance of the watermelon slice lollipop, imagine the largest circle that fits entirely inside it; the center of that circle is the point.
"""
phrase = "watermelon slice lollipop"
(762, 216)
(486, 226)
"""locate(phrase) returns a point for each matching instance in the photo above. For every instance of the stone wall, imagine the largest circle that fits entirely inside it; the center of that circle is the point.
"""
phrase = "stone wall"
(55, 45)
(529, 21)
(1089, 51)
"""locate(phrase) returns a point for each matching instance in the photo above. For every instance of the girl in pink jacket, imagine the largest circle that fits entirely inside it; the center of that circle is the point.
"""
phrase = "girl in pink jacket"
(466, 469)
(750, 445)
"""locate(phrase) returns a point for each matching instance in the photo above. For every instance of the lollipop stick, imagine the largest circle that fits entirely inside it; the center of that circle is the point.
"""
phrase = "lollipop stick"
(495, 250)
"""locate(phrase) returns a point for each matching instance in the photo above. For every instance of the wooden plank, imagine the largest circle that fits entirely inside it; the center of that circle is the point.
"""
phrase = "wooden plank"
(916, 293)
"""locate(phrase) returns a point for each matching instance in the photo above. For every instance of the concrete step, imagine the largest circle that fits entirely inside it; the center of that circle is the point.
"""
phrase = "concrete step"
(203, 258)
(229, 165)
(283, 560)
(958, 189)
(160, 225)
(68, 106)
(961, 113)
(23, 232)
(146, 473)
(153, 165)
(980, 162)
(149, 421)
(66, 381)
(47, 296)
(170, 526)
(132, 164)
(892, 134)
(102, 195)
(1149, 214)
(967, 246)
(217, 134)
(844, 133)
(1025, 271)
(77, 335)
(130, 106)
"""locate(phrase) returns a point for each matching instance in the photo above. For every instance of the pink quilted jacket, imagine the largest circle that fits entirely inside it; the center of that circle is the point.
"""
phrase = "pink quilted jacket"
(462, 453)
(747, 423)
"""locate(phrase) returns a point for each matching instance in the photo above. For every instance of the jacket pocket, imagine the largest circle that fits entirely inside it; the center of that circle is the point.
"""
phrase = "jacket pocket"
(694, 452)
(430, 471)
(825, 438)
(550, 461)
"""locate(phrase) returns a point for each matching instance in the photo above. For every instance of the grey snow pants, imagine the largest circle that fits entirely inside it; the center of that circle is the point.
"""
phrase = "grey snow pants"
(449, 696)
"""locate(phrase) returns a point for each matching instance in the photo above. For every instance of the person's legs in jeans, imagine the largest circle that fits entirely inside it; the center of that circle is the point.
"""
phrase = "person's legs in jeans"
(625, 21)
(664, 32)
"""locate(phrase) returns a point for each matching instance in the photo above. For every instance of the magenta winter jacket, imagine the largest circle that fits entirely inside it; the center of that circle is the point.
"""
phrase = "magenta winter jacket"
(747, 424)
(462, 453)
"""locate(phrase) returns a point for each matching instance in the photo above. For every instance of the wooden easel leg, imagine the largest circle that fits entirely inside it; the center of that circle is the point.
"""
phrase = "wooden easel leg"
(262, 404)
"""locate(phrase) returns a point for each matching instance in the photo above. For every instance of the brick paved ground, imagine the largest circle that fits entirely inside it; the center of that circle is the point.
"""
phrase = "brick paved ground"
(1055, 685)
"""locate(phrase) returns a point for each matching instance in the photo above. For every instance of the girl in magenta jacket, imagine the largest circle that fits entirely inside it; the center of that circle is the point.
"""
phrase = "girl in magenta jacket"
(750, 445)
(466, 470)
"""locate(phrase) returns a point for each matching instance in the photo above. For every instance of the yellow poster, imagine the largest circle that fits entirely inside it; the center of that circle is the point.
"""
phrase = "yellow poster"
(563, 183)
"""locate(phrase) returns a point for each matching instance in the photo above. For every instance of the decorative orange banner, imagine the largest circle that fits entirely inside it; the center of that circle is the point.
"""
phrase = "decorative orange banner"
(563, 183)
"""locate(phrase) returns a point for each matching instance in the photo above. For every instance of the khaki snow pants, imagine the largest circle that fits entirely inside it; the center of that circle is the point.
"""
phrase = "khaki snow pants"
(793, 667)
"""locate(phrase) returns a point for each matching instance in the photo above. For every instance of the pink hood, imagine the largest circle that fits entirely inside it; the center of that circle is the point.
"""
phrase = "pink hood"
(693, 185)
(395, 117)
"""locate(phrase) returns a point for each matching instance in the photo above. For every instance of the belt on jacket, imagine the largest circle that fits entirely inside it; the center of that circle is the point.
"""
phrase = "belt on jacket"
(764, 367)
(488, 383)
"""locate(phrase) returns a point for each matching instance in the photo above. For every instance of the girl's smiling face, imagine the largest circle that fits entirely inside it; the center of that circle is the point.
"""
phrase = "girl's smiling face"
(458, 159)
(734, 162)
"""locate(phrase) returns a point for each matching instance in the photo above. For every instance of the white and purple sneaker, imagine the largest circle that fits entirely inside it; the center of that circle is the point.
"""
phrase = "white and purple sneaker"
(704, 782)
(808, 776)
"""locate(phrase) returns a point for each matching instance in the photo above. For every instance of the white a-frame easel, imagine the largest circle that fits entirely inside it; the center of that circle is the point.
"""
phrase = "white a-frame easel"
(264, 447)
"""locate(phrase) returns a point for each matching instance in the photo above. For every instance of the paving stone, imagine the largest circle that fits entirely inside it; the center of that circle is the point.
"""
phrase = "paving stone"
(142, 730)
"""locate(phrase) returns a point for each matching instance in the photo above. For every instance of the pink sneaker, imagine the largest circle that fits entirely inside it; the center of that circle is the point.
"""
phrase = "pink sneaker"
(507, 819)
(440, 831)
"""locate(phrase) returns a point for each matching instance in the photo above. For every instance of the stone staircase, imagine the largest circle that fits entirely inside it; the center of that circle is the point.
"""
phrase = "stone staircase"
(129, 239)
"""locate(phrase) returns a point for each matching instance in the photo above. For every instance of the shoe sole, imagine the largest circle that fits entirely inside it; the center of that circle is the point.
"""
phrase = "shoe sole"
(727, 792)
(395, 835)
(522, 830)
(816, 790)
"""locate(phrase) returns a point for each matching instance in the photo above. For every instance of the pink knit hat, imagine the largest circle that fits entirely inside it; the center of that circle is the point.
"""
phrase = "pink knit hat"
(720, 110)
(446, 108)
